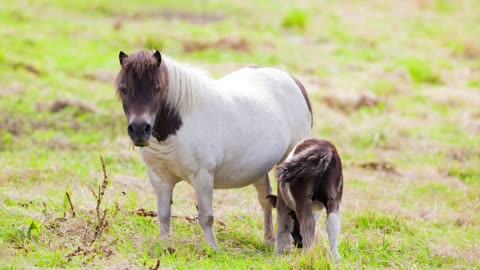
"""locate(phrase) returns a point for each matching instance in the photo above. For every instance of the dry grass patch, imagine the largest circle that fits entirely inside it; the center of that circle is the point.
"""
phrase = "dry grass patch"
(226, 43)
(79, 106)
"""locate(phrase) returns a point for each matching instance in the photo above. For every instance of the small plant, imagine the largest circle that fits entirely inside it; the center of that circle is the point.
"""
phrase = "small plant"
(420, 70)
(33, 229)
(90, 239)
(101, 215)
(296, 18)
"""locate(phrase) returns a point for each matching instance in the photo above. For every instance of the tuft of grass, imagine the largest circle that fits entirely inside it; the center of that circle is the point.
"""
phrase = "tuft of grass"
(466, 174)
(420, 70)
(384, 87)
(474, 83)
(296, 18)
(384, 222)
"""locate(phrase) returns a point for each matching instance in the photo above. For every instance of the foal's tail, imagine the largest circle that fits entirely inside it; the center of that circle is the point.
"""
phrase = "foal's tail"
(312, 161)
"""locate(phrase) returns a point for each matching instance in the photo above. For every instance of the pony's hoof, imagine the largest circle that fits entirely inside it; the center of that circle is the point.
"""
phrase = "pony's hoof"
(335, 258)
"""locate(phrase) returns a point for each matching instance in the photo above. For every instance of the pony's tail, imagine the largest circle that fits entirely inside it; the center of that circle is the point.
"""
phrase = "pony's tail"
(312, 161)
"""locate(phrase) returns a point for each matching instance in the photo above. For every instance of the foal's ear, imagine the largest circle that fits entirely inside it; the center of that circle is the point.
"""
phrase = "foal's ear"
(122, 56)
(157, 56)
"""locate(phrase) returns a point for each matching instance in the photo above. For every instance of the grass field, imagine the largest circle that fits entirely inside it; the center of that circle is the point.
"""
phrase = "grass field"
(394, 84)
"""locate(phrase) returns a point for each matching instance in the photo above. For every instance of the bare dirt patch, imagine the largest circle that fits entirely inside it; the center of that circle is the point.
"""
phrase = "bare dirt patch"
(28, 67)
(350, 102)
(196, 18)
(61, 104)
(447, 250)
(103, 76)
(10, 125)
(384, 166)
(201, 18)
(471, 49)
(461, 154)
(61, 143)
(14, 88)
(226, 43)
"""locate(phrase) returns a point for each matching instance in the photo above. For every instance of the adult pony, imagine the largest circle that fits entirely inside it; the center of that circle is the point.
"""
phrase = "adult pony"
(225, 133)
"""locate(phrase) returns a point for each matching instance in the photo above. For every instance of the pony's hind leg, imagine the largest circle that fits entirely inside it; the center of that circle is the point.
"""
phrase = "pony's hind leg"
(304, 209)
(264, 191)
(333, 227)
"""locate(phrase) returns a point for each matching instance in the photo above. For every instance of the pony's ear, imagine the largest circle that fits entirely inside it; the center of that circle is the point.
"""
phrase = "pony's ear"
(122, 56)
(157, 56)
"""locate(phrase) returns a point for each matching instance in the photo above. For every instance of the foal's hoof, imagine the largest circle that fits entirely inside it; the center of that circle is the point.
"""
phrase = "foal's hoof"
(285, 249)
(269, 241)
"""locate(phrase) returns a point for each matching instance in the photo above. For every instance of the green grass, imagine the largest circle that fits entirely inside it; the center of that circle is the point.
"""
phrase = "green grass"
(391, 83)
(419, 70)
(296, 18)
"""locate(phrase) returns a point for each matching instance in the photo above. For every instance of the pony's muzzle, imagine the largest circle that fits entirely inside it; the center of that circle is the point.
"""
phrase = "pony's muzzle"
(140, 132)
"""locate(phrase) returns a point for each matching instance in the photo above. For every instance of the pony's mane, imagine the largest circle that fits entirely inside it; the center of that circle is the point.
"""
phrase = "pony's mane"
(140, 62)
(187, 85)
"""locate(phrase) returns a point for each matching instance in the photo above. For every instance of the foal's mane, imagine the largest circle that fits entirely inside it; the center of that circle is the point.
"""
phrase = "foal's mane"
(183, 86)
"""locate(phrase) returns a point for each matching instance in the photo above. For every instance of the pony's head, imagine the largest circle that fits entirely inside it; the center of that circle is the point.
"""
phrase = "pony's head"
(142, 87)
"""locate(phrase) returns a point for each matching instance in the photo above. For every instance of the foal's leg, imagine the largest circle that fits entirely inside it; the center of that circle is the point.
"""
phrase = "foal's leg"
(203, 186)
(285, 224)
(302, 194)
(163, 191)
(263, 191)
(317, 210)
(333, 227)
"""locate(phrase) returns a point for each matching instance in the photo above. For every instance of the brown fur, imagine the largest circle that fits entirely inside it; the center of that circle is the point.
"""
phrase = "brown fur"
(304, 93)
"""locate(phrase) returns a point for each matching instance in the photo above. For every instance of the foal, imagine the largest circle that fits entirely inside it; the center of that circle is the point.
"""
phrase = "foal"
(311, 178)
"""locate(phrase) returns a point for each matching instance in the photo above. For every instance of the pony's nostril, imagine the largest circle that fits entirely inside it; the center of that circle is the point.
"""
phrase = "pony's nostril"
(131, 130)
(139, 129)
(148, 129)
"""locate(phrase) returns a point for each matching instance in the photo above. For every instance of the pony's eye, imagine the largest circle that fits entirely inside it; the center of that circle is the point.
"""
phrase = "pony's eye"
(123, 89)
(158, 88)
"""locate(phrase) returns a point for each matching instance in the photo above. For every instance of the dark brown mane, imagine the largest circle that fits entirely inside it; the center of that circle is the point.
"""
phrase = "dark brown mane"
(140, 62)
(142, 66)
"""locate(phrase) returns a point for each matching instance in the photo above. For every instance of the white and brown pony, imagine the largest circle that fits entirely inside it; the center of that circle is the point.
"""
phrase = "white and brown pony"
(309, 180)
(225, 133)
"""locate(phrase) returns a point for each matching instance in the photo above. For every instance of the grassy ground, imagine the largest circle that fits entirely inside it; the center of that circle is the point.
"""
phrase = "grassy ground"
(394, 84)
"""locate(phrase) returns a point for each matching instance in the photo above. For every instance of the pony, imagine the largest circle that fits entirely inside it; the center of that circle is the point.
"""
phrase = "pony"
(310, 179)
(213, 133)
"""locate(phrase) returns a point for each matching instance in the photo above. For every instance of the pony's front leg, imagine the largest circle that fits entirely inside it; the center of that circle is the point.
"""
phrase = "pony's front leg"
(163, 191)
(202, 184)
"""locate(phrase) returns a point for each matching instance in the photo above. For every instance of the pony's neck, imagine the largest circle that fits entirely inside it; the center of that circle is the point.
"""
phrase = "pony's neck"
(187, 86)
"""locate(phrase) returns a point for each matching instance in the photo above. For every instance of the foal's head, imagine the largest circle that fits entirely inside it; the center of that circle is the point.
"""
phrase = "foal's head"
(142, 87)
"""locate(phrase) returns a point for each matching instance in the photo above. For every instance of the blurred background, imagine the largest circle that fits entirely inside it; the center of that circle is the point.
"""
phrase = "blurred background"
(394, 84)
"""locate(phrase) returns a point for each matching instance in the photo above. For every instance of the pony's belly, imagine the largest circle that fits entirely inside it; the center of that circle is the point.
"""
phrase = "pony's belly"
(238, 179)
(242, 172)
